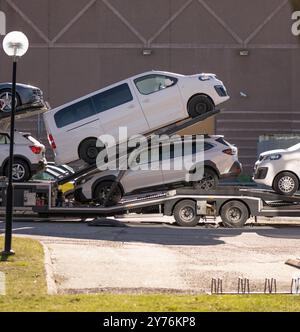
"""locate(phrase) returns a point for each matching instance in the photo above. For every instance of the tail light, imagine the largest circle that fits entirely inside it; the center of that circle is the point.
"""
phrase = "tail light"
(51, 141)
(230, 152)
(36, 149)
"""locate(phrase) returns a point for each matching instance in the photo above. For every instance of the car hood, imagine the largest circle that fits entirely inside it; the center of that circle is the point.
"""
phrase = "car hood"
(268, 153)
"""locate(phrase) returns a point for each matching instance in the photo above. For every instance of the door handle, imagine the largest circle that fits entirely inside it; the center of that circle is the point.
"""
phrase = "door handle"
(146, 101)
(130, 107)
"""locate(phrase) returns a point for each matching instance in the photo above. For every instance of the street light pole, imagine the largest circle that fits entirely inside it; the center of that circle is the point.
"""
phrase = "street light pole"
(15, 45)
(10, 190)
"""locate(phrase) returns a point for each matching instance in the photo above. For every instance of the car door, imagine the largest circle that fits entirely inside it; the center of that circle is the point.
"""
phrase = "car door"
(4, 148)
(147, 175)
(173, 167)
(184, 156)
(160, 99)
(118, 107)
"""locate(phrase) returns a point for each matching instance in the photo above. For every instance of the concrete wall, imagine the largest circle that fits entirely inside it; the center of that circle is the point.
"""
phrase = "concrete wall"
(80, 46)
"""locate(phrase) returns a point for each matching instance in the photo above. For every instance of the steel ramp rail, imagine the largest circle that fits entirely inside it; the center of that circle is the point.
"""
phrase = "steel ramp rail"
(101, 211)
(267, 196)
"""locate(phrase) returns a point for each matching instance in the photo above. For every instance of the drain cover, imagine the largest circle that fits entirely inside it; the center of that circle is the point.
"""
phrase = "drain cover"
(293, 262)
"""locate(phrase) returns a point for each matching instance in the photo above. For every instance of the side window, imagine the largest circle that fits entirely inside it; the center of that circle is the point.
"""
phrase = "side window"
(112, 98)
(199, 148)
(74, 113)
(154, 83)
(207, 146)
(4, 139)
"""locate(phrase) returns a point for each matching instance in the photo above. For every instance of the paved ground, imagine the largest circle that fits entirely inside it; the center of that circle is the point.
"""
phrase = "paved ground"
(164, 257)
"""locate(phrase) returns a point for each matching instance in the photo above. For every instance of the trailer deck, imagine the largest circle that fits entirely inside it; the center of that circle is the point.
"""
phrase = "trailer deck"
(235, 205)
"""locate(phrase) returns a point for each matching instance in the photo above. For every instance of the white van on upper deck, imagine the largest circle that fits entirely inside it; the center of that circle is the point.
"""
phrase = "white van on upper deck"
(141, 103)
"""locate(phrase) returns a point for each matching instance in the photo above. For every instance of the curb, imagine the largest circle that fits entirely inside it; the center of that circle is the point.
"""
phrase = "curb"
(50, 279)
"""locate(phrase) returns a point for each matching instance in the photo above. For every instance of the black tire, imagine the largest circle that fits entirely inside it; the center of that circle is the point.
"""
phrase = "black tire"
(286, 183)
(234, 214)
(88, 151)
(3, 94)
(185, 214)
(200, 105)
(103, 189)
(21, 171)
(209, 181)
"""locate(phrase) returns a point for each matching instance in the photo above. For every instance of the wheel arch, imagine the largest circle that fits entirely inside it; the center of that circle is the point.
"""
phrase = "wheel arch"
(16, 156)
(111, 178)
(169, 206)
(288, 171)
(212, 166)
(208, 164)
(8, 89)
(200, 94)
(83, 141)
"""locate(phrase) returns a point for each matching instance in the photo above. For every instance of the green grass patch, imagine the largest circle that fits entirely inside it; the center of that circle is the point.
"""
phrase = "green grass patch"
(26, 291)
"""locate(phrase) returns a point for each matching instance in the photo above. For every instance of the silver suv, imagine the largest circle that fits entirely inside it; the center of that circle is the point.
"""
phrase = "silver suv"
(220, 161)
(29, 156)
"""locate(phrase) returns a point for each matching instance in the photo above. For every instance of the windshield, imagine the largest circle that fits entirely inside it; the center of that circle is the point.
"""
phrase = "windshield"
(294, 148)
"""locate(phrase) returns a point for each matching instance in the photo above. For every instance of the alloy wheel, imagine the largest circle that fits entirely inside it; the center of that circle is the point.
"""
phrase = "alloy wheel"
(286, 184)
(18, 172)
(6, 101)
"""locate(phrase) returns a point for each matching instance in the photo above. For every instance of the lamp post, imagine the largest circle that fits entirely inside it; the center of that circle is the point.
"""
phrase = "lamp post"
(15, 45)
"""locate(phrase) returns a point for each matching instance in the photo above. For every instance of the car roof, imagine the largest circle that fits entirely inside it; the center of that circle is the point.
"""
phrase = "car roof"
(19, 85)
(159, 72)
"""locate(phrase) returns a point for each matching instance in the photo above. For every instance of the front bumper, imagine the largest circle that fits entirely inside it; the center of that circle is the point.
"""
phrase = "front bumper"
(264, 173)
(260, 173)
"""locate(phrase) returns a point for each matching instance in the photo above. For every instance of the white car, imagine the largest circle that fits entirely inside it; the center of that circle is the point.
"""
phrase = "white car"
(280, 170)
(141, 103)
(220, 161)
(29, 156)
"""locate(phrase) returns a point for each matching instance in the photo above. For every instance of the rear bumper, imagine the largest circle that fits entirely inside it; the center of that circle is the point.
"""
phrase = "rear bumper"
(235, 170)
(40, 166)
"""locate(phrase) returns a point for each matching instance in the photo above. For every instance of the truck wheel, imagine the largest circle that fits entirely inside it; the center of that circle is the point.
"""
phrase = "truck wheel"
(286, 183)
(200, 105)
(102, 191)
(185, 214)
(234, 214)
(88, 151)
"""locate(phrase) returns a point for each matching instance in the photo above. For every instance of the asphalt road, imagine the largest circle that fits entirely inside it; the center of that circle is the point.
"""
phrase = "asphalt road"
(162, 257)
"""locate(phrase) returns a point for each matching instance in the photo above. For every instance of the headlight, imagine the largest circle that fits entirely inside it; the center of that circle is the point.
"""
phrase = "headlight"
(205, 77)
(273, 157)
